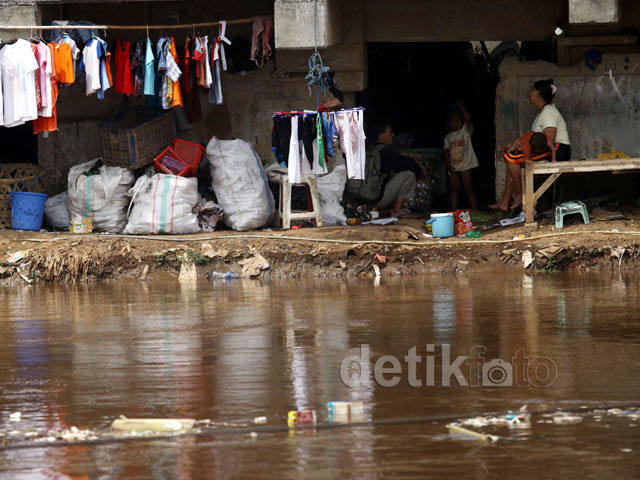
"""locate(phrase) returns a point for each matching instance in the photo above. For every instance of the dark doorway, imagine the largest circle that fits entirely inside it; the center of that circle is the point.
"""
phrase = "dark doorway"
(19, 144)
(413, 86)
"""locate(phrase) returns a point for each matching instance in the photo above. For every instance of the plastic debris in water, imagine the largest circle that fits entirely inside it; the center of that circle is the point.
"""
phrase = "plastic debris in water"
(455, 429)
(562, 418)
(15, 416)
(522, 419)
(260, 420)
(301, 417)
(518, 420)
(139, 425)
(345, 412)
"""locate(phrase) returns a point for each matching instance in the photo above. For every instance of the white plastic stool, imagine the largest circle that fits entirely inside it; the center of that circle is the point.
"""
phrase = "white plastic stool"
(313, 202)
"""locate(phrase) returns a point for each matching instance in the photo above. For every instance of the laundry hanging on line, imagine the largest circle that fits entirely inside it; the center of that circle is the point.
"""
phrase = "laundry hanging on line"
(304, 140)
(34, 70)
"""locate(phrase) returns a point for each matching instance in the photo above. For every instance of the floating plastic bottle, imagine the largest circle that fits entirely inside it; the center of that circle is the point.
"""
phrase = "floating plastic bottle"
(227, 275)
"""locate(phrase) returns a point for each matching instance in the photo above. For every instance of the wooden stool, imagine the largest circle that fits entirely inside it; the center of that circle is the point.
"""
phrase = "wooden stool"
(285, 215)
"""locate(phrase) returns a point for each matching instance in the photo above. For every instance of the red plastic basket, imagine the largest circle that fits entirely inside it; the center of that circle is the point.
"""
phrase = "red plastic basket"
(191, 153)
(171, 163)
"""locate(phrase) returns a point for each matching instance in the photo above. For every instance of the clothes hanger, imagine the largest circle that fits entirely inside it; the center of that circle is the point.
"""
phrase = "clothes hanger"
(42, 38)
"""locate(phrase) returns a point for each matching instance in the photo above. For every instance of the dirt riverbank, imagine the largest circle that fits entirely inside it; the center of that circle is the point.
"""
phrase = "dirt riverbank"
(400, 249)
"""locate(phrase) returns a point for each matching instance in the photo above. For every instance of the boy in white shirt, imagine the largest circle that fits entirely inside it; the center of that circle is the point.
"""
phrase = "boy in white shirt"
(460, 157)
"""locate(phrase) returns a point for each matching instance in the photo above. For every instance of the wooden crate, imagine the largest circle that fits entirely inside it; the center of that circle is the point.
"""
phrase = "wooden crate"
(134, 138)
(17, 177)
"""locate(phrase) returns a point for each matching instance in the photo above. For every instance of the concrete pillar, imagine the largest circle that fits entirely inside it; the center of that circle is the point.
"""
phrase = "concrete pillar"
(294, 23)
(17, 13)
(347, 59)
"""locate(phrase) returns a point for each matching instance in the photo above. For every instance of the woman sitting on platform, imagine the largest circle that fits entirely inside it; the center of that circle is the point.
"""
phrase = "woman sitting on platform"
(550, 122)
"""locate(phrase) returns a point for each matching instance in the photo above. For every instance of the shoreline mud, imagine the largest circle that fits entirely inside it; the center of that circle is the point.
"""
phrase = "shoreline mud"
(400, 249)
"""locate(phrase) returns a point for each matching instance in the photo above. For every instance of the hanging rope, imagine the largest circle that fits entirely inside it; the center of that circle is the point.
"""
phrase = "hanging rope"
(318, 75)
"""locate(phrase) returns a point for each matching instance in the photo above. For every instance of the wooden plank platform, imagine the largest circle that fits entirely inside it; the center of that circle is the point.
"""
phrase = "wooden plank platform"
(555, 169)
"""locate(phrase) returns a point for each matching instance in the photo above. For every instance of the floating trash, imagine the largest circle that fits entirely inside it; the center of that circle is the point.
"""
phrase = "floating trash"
(455, 429)
(138, 425)
(562, 418)
(301, 417)
(345, 412)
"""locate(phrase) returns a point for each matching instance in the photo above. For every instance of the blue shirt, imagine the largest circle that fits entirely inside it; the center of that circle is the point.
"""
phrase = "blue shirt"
(149, 71)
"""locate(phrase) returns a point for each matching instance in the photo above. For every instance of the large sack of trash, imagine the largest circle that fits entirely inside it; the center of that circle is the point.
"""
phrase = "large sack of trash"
(99, 192)
(330, 188)
(163, 204)
(56, 213)
(240, 184)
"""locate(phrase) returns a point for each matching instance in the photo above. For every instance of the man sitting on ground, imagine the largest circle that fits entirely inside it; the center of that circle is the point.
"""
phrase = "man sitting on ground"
(390, 178)
(400, 173)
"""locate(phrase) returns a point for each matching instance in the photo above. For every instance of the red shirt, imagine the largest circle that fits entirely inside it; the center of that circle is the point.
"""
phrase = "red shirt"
(124, 75)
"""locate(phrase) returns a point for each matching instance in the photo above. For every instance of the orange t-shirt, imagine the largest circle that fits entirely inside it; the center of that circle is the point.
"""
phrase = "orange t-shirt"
(63, 61)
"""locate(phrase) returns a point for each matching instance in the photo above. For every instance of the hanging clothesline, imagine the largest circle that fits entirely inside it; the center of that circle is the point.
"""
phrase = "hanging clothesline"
(313, 112)
(123, 27)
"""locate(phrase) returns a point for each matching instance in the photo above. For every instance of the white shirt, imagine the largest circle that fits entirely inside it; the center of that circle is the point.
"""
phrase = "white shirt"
(461, 152)
(208, 78)
(92, 67)
(549, 116)
(18, 66)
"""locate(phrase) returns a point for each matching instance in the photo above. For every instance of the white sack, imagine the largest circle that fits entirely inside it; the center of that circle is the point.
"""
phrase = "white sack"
(163, 204)
(330, 189)
(102, 197)
(56, 213)
(240, 184)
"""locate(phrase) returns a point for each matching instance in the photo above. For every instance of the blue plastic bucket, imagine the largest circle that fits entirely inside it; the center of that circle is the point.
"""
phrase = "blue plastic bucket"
(441, 224)
(27, 210)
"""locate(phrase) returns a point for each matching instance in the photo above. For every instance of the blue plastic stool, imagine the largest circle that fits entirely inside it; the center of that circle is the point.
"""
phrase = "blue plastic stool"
(567, 208)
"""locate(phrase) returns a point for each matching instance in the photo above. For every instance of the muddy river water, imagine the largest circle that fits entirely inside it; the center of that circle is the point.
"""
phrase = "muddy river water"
(230, 351)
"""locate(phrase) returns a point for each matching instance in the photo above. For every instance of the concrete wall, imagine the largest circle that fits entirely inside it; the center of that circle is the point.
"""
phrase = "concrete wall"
(602, 113)
(347, 59)
(21, 12)
(460, 20)
(294, 17)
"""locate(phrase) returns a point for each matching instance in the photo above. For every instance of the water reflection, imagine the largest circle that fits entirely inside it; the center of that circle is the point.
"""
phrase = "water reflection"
(229, 351)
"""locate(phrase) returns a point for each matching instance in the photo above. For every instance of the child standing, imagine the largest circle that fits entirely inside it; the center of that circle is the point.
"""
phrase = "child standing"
(460, 157)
